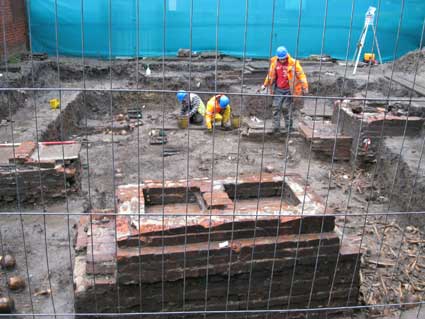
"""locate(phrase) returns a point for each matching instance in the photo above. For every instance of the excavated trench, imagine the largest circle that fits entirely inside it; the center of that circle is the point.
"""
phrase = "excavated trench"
(95, 108)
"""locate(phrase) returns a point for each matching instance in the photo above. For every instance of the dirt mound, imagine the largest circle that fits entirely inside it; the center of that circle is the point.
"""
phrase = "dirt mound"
(329, 86)
(409, 62)
(387, 87)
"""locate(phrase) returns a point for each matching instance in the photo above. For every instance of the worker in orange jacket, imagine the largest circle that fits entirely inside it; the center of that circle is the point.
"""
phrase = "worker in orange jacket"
(218, 110)
(285, 77)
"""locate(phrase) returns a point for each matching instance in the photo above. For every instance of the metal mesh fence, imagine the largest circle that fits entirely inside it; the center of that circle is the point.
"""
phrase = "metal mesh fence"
(85, 248)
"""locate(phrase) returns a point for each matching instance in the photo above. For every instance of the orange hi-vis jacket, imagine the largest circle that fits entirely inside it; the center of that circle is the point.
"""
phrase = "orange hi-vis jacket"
(297, 85)
(215, 112)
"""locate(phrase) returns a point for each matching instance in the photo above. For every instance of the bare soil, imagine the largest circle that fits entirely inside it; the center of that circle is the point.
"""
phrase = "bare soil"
(111, 158)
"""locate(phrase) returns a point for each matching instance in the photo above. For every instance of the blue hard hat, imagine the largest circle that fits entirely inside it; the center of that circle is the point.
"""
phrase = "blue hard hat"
(224, 102)
(181, 95)
(281, 52)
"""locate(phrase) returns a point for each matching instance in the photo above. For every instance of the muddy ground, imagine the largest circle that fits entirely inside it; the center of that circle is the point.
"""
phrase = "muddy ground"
(121, 156)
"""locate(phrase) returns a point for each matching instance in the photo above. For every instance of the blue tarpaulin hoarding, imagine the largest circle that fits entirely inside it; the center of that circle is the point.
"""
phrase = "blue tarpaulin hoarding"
(111, 27)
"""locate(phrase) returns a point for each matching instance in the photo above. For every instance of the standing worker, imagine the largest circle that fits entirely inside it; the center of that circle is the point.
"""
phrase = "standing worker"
(281, 81)
(191, 106)
(218, 110)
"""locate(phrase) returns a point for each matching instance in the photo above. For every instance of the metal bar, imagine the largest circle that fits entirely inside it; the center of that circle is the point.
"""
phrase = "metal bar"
(285, 166)
(18, 196)
(259, 190)
(352, 174)
(5, 55)
(404, 135)
(200, 200)
(62, 138)
(218, 312)
(334, 149)
(4, 272)
(308, 170)
(139, 181)
(163, 157)
(111, 110)
(90, 203)
(333, 155)
(217, 21)
(308, 97)
(396, 266)
(229, 271)
(379, 149)
(217, 215)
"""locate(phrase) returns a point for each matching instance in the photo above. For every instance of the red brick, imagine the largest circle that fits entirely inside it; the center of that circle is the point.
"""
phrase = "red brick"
(24, 151)
(16, 28)
(217, 200)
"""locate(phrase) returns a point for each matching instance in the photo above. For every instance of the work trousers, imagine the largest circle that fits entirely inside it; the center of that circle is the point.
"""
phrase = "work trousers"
(282, 104)
(196, 118)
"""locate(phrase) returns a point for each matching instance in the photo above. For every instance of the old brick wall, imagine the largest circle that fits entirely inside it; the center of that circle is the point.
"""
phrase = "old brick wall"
(15, 23)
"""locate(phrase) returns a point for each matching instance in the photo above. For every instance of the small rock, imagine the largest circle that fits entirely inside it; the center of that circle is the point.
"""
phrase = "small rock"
(269, 169)
(183, 53)
(123, 132)
(7, 305)
(7, 262)
(120, 117)
(16, 283)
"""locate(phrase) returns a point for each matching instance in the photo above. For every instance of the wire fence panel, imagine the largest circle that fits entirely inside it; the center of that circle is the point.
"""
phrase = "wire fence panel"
(133, 188)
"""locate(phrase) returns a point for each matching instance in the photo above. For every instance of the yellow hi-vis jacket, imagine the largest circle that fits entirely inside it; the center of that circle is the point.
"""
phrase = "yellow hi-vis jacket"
(297, 85)
(214, 111)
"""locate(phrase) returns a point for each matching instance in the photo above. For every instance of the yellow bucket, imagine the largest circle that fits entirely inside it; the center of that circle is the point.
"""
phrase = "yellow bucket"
(183, 122)
(368, 56)
(236, 121)
(54, 104)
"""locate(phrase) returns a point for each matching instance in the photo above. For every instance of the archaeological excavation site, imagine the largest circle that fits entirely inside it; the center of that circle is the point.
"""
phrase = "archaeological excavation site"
(212, 159)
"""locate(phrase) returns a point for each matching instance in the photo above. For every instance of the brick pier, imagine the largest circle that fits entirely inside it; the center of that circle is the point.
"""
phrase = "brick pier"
(167, 238)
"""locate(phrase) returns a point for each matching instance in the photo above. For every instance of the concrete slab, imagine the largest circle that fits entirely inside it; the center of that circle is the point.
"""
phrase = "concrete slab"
(57, 151)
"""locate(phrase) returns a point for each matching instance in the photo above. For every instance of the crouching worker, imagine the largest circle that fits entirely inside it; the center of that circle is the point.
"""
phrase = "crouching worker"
(285, 78)
(191, 106)
(218, 110)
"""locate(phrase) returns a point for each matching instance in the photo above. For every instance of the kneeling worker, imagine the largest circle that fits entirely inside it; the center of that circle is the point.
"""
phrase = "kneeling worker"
(191, 106)
(285, 76)
(218, 110)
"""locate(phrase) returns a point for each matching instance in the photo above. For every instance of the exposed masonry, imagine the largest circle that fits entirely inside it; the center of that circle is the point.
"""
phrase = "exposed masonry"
(321, 135)
(359, 130)
(51, 161)
(367, 126)
(126, 252)
(15, 23)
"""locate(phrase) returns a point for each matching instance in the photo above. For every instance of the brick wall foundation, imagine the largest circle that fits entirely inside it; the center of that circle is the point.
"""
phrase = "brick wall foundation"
(141, 260)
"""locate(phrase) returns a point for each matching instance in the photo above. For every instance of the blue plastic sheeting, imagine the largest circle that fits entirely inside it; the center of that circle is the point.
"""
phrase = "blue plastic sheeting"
(110, 27)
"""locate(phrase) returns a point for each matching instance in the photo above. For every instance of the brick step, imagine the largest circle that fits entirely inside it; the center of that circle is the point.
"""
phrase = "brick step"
(292, 228)
(241, 247)
(220, 265)
(154, 226)
(339, 297)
